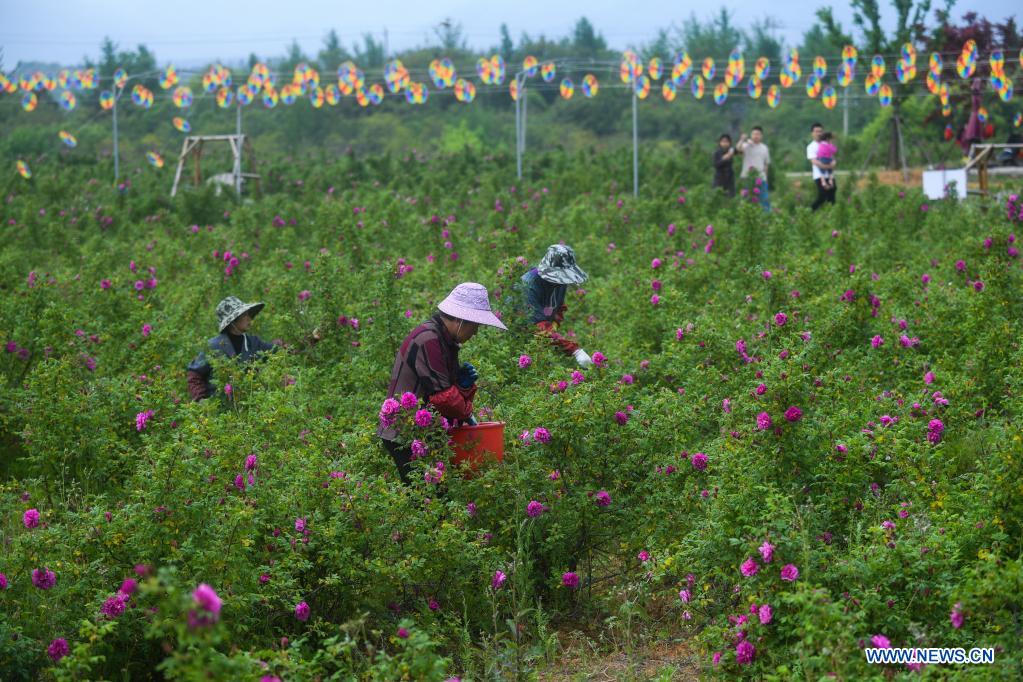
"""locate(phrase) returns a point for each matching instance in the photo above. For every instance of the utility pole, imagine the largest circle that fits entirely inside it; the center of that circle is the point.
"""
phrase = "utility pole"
(518, 127)
(238, 142)
(117, 156)
(387, 49)
(635, 144)
(525, 111)
(845, 113)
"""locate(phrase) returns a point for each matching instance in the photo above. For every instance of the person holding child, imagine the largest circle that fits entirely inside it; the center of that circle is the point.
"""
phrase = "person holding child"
(825, 191)
(826, 151)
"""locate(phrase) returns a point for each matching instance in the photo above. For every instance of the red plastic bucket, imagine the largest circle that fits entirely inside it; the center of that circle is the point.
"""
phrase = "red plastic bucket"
(477, 444)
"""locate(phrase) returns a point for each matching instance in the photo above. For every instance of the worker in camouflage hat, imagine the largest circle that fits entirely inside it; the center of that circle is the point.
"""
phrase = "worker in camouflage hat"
(544, 288)
(234, 318)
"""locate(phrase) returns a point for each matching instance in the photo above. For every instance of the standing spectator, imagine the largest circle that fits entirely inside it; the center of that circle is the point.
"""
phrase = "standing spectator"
(756, 157)
(724, 174)
(824, 194)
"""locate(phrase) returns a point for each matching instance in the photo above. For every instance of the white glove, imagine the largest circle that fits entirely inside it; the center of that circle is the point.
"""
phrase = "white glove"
(583, 358)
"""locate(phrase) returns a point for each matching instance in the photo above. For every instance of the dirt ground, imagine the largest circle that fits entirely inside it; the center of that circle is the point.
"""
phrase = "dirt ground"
(999, 178)
(895, 177)
(674, 661)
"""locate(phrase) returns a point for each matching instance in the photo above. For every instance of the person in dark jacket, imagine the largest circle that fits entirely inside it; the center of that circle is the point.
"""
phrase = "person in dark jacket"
(544, 288)
(234, 319)
(427, 364)
(724, 173)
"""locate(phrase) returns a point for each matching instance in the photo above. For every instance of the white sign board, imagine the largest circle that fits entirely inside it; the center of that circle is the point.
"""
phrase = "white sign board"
(940, 183)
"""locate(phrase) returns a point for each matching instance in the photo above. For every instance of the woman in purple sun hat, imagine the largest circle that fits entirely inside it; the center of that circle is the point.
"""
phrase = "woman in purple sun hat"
(427, 363)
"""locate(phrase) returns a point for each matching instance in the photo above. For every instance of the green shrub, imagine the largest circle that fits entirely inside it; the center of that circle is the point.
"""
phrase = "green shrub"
(280, 493)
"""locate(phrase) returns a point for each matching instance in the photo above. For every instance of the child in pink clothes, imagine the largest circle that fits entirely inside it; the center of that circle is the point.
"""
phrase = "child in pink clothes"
(826, 151)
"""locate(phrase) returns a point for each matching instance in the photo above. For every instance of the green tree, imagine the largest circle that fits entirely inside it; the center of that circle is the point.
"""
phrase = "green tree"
(715, 38)
(332, 53)
(371, 54)
(144, 59)
(762, 40)
(108, 62)
(660, 47)
(293, 58)
(507, 48)
(827, 38)
(586, 41)
(135, 63)
(817, 42)
(831, 28)
(450, 36)
(909, 28)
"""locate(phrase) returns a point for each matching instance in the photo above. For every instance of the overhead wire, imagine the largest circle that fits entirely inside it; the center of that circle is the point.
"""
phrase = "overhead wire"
(573, 64)
(829, 59)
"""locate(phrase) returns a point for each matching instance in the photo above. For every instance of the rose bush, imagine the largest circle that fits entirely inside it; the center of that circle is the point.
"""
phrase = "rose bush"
(744, 435)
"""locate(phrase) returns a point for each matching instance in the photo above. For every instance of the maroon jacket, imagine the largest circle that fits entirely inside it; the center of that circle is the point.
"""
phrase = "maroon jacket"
(427, 365)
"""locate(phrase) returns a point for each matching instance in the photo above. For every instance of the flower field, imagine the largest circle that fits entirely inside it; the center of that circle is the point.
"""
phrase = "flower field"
(802, 435)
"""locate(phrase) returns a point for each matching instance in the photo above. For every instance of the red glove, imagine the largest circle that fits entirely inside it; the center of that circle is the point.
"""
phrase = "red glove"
(454, 402)
(565, 345)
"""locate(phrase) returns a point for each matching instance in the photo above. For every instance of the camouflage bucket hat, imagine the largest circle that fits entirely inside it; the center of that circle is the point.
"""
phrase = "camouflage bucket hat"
(558, 266)
(232, 307)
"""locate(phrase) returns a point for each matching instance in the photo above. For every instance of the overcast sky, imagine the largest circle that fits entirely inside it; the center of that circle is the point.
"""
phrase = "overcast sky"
(190, 32)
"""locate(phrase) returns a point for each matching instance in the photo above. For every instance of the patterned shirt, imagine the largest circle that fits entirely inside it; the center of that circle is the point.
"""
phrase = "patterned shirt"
(426, 363)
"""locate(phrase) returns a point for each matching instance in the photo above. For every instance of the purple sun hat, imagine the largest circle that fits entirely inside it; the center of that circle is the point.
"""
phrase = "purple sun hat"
(469, 301)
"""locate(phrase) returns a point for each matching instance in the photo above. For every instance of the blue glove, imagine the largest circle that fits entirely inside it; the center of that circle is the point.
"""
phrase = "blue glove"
(467, 375)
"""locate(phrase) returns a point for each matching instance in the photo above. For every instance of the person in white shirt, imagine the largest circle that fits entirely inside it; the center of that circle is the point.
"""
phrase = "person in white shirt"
(756, 157)
(825, 193)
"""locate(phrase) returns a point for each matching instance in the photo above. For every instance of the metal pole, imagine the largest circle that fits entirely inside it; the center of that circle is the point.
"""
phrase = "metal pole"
(520, 114)
(117, 158)
(518, 131)
(845, 113)
(635, 145)
(238, 158)
(525, 111)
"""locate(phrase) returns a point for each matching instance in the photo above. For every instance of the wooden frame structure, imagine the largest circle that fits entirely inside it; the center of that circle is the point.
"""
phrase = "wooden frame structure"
(193, 146)
(980, 154)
